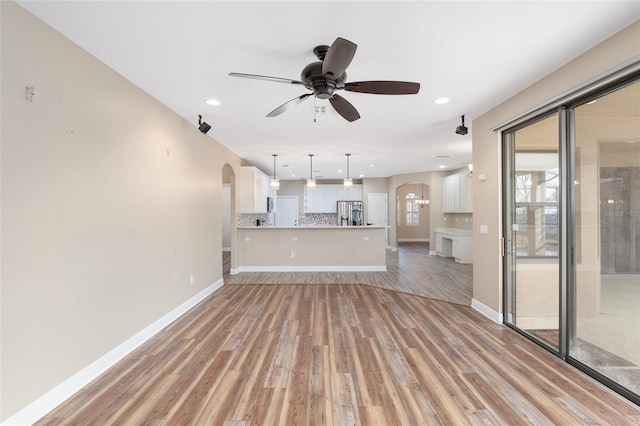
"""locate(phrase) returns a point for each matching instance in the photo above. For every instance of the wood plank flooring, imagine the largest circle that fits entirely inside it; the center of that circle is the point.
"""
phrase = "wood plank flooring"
(339, 354)
(410, 269)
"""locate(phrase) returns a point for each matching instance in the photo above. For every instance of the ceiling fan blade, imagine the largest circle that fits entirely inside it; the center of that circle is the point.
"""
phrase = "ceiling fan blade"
(265, 77)
(338, 57)
(288, 105)
(383, 87)
(344, 108)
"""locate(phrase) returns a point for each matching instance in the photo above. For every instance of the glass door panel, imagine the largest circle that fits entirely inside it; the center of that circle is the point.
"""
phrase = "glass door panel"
(606, 289)
(531, 230)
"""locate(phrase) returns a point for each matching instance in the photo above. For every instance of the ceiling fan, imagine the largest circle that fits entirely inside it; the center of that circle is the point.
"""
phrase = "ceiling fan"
(328, 75)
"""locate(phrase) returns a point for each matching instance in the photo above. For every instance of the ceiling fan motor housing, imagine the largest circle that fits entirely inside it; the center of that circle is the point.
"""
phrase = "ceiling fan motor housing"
(322, 86)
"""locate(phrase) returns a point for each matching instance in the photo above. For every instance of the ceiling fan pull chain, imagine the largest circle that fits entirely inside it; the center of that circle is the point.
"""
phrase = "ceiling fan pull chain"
(315, 110)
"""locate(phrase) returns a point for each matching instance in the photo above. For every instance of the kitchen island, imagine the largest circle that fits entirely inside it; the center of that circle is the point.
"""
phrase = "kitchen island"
(310, 248)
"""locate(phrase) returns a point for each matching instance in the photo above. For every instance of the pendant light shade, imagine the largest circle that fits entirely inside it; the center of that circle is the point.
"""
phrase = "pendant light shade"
(275, 182)
(348, 182)
(311, 182)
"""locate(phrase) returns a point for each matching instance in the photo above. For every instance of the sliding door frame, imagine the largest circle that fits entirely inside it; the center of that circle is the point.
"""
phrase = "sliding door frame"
(565, 109)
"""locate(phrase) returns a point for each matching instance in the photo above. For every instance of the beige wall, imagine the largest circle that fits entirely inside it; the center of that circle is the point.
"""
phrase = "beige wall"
(487, 271)
(110, 202)
(413, 232)
(436, 219)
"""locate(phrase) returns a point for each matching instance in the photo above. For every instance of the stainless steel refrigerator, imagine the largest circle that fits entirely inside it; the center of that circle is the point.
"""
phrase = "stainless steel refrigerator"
(350, 213)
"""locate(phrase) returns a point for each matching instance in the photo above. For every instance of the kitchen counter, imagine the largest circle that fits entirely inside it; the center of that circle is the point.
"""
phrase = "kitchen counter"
(312, 227)
(310, 248)
(455, 231)
(456, 243)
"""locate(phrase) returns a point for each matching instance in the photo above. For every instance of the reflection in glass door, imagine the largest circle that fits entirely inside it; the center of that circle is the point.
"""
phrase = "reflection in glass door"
(606, 279)
(531, 230)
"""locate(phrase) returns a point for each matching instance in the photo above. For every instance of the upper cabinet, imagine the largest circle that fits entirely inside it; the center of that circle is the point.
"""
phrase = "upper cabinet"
(254, 190)
(457, 194)
(323, 199)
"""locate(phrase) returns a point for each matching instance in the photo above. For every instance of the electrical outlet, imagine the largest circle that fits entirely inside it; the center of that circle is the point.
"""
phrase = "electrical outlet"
(191, 279)
(366, 238)
(293, 254)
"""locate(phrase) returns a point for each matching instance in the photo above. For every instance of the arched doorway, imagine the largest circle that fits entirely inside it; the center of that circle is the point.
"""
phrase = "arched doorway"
(412, 213)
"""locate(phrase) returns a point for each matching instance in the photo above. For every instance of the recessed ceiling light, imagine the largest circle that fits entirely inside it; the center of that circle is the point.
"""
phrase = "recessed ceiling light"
(441, 100)
(293, 176)
(213, 102)
(372, 165)
(442, 167)
(361, 175)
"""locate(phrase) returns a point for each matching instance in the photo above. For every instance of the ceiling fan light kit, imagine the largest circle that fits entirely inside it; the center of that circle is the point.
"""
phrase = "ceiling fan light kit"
(324, 77)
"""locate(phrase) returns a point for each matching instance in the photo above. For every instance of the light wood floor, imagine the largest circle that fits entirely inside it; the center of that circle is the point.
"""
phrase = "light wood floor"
(410, 269)
(339, 354)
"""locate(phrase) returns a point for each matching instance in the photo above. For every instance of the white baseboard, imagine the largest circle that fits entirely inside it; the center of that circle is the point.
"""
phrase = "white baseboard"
(413, 240)
(432, 252)
(373, 268)
(226, 248)
(392, 248)
(487, 311)
(47, 402)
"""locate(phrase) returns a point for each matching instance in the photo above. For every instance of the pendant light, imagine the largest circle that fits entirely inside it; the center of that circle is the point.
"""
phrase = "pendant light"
(422, 202)
(311, 182)
(275, 182)
(348, 182)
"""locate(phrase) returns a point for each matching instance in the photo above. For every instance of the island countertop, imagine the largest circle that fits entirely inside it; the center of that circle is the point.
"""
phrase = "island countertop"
(310, 248)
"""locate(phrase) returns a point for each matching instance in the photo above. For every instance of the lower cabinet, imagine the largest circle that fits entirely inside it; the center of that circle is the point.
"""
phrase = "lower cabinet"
(454, 243)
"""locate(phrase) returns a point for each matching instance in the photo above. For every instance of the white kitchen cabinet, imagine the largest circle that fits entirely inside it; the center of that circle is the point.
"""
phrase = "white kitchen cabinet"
(254, 190)
(456, 243)
(457, 194)
(324, 198)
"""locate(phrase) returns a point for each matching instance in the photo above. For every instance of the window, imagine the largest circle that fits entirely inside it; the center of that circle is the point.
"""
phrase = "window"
(412, 215)
(536, 212)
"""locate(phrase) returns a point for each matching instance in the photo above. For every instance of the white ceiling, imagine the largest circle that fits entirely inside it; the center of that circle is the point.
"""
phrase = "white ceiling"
(476, 53)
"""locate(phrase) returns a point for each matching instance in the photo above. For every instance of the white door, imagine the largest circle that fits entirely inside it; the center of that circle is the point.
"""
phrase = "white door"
(377, 211)
(287, 212)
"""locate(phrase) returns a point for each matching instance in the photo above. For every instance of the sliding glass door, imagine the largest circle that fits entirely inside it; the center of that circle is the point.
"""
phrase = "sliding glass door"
(531, 231)
(606, 290)
(571, 198)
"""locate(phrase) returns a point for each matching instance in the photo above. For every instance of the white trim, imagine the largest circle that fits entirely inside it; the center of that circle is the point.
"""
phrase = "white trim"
(50, 400)
(392, 248)
(432, 253)
(226, 248)
(487, 311)
(372, 268)
(412, 240)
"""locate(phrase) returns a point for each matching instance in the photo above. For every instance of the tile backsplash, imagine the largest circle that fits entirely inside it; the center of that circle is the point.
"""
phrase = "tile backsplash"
(318, 219)
(307, 219)
(250, 219)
